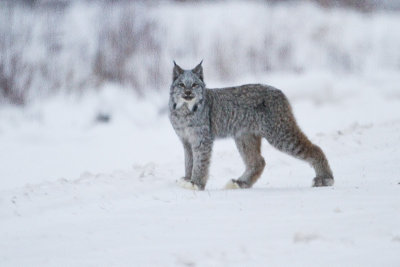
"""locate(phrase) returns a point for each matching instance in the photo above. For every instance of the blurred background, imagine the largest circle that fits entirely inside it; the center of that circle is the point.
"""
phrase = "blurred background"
(53, 46)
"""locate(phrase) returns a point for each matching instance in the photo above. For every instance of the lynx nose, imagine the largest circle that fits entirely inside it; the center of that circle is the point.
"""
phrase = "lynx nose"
(187, 95)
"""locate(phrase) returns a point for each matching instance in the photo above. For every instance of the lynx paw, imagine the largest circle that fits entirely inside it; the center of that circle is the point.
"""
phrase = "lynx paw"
(187, 184)
(232, 185)
(236, 184)
(321, 181)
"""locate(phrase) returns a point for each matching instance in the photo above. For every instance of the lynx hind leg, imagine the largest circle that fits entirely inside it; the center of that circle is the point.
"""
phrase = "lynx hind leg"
(324, 175)
(249, 147)
(291, 140)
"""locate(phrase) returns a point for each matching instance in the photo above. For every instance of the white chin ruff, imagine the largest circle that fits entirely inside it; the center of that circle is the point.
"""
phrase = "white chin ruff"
(187, 184)
(190, 103)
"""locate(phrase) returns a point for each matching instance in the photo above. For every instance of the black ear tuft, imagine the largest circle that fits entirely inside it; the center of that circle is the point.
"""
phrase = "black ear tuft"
(176, 72)
(198, 70)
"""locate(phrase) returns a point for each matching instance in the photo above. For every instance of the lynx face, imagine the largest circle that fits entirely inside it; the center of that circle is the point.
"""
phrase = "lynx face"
(187, 86)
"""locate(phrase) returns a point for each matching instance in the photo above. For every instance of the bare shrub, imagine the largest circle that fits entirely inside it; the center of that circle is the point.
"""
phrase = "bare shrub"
(14, 87)
(15, 74)
(125, 40)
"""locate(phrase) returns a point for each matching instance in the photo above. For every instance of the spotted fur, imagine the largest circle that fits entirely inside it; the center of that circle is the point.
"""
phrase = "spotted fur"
(246, 113)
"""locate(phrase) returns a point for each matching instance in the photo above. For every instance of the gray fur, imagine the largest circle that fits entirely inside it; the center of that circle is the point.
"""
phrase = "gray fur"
(247, 113)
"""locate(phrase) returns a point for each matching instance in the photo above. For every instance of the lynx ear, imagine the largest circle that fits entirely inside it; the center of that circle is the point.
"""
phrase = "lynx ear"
(198, 70)
(176, 72)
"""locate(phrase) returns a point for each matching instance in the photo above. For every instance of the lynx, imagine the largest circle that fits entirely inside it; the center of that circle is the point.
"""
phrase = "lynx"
(246, 113)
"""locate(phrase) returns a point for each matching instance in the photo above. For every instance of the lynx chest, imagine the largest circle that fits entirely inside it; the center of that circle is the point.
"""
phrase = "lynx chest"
(190, 127)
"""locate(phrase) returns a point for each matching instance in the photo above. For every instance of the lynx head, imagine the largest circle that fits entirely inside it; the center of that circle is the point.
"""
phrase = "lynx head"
(187, 86)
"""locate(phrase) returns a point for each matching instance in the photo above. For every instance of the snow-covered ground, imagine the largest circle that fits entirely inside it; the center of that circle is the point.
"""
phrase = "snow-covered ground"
(77, 192)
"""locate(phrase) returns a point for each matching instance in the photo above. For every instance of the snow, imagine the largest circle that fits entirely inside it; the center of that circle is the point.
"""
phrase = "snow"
(84, 193)
(89, 177)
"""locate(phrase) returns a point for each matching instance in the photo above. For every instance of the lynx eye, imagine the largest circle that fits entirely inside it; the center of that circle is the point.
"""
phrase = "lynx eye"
(194, 85)
(181, 85)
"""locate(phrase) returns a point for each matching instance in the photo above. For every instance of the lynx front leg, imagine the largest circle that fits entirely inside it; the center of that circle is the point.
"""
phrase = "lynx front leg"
(188, 161)
(185, 181)
(201, 155)
(201, 163)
